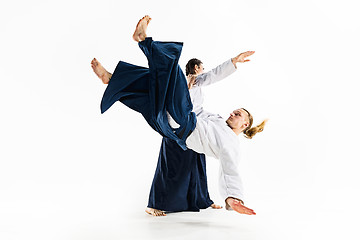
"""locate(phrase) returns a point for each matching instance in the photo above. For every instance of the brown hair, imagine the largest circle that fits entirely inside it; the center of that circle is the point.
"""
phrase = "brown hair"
(250, 132)
(190, 66)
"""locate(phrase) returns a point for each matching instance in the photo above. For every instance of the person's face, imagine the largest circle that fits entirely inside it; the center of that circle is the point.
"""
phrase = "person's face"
(199, 69)
(238, 119)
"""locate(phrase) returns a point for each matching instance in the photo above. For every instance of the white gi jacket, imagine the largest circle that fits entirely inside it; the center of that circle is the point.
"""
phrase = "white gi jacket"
(213, 137)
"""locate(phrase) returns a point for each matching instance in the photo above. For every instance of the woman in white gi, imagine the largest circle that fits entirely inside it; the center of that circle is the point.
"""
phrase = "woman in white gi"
(159, 94)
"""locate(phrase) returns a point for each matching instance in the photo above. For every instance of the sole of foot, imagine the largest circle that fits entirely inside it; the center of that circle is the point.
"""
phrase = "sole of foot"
(100, 71)
(140, 30)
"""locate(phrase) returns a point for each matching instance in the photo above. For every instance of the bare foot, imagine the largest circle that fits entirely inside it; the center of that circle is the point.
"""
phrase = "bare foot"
(155, 212)
(100, 71)
(214, 206)
(237, 206)
(140, 30)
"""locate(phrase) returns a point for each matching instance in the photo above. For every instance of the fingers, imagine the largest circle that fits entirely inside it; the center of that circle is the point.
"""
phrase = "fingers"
(249, 211)
(241, 57)
(238, 207)
(248, 53)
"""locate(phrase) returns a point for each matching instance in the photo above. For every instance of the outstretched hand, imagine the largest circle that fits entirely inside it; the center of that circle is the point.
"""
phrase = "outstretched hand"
(237, 206)
(242, 57)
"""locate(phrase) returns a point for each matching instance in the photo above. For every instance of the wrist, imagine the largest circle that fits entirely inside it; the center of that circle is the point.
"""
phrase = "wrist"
(227, 205)
(233, 60)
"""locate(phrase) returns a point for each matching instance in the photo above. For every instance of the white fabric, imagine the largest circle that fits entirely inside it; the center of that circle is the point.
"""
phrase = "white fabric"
(212, 136)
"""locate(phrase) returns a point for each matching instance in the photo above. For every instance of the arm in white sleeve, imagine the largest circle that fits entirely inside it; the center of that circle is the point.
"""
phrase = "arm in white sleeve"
(230, 183)
(216, 74)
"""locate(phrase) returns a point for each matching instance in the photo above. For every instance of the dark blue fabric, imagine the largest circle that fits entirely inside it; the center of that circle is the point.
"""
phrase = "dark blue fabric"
(180, 182)
(153, 91)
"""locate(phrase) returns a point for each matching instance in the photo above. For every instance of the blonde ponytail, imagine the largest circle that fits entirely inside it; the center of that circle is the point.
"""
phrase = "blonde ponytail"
(250, 132)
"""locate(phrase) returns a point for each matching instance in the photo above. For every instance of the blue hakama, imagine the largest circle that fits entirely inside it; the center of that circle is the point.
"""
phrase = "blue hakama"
(180, 182)
(155, 90)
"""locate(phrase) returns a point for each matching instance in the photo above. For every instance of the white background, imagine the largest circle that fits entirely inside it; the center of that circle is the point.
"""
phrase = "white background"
(68, 172)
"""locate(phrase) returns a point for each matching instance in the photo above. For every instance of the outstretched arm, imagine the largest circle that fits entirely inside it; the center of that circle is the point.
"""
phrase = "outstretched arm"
(215, 75)
(220, 72)
(230, 183)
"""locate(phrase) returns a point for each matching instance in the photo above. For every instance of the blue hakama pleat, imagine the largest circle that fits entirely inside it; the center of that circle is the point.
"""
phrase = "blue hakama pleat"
(180, 182)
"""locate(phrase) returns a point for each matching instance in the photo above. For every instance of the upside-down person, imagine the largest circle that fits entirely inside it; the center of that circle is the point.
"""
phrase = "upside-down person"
(160, 93)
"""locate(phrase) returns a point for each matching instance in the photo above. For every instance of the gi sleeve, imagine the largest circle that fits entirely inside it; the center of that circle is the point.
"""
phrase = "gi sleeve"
(230, 183)
(216, 74)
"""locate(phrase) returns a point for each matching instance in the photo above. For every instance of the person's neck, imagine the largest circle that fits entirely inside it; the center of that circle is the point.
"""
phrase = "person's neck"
(236, 130)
